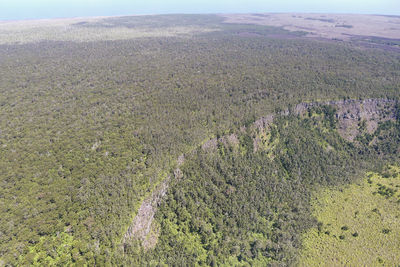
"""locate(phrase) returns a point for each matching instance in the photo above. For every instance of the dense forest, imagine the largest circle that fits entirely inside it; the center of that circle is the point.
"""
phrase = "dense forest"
(235, 205)
(89, 129)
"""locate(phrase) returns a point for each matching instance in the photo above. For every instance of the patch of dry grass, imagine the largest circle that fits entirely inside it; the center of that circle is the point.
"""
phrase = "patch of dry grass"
(22, 32)
(341, 26)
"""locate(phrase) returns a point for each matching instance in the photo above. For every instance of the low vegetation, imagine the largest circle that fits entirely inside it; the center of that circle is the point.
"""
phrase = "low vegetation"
(105, 29)
(330, 26)
(359, 224)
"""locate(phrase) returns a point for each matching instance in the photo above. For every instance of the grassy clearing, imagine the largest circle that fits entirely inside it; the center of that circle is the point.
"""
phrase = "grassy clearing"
(23, 32)
(75, 34)
(325, 25)
(359, 225)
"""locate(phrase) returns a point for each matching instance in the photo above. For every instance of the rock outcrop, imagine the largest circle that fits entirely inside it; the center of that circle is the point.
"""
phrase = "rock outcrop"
(354, 115)
(142, 225)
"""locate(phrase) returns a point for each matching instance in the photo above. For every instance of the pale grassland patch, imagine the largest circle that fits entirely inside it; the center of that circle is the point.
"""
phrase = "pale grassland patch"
(359, 224)
(22, 32)
(341, 26)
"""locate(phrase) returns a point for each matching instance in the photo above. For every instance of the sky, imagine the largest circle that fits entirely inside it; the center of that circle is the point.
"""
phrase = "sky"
(38, 9)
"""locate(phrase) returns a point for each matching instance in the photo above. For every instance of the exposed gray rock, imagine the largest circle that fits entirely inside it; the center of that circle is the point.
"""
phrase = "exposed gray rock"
(142, 223)
(351, 113)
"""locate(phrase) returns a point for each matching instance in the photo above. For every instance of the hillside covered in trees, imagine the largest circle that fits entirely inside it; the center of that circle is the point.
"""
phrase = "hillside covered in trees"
(245, 200)
(91, 128)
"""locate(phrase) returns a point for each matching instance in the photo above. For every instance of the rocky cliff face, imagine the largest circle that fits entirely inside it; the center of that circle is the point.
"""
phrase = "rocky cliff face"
(356, 116)
(142, 227)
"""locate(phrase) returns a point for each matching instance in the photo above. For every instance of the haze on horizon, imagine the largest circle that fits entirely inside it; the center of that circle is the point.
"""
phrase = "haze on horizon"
(41, 9)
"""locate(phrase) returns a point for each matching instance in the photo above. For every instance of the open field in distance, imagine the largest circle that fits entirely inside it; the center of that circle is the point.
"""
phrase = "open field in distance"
(340, 26)
(91, 29)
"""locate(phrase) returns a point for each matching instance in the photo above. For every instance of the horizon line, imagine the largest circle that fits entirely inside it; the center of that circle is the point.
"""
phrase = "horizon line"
(189, 13)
